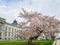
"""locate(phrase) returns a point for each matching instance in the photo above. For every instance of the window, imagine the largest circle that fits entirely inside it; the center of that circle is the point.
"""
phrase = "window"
(12, 34)
(12, 29)
(0, 37)
(9, 28)
(5, 38)
(6, 27)
(12, 38)
(9, 33)
(15, 30)
(5, 34)
(0, 34)
(0, 27)
(9, 38)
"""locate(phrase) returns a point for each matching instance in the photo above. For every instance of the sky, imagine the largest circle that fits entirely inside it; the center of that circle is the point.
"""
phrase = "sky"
(10, 9)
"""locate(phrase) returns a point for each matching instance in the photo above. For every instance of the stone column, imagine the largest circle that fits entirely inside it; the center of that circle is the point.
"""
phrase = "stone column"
(2, 35)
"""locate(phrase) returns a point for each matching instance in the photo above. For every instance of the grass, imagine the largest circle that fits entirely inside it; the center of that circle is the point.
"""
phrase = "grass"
(43, 42)
(19, 42)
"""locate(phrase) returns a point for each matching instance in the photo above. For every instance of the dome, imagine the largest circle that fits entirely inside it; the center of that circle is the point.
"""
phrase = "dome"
(15, 22)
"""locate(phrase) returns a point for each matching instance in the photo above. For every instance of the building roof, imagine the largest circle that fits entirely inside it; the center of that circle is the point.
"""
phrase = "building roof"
(12, 25)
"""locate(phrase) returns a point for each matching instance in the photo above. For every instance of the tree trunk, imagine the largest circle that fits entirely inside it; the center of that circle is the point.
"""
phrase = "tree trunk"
(29, 41)
(52, 37)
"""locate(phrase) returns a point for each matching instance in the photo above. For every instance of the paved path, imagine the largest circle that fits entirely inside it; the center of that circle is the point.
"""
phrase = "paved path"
(58, 42)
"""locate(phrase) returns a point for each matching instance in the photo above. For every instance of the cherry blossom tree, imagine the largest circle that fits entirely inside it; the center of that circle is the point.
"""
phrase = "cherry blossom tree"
(38, 24)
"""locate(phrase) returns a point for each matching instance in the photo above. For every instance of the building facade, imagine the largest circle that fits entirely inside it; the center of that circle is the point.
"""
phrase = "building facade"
(8, 31)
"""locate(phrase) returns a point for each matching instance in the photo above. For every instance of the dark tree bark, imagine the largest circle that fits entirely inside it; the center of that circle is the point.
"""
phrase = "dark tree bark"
(30, 41)
(33, 38)
(52, 37)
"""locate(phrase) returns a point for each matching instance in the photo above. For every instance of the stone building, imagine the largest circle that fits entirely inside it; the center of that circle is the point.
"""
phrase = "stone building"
(8, 31)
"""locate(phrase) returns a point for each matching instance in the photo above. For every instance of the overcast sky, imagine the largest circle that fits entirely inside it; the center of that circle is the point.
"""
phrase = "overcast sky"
(9, 9)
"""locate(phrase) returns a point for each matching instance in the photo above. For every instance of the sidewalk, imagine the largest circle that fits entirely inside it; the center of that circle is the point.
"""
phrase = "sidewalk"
(58, 42)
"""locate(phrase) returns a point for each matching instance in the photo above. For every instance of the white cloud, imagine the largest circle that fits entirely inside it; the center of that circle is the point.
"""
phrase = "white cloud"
(10, 11)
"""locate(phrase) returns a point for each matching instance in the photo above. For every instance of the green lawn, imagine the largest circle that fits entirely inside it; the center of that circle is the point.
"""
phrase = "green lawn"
(19, 42)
